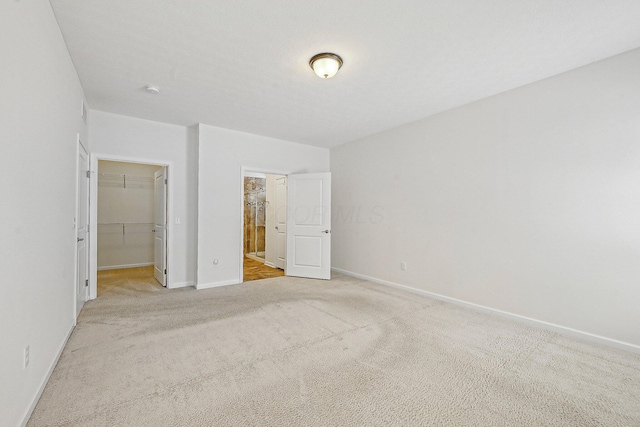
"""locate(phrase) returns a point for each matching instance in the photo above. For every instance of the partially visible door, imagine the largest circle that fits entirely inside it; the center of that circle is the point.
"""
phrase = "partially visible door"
(82, 232)
(309, 225)
(281, 222)
(160, 227)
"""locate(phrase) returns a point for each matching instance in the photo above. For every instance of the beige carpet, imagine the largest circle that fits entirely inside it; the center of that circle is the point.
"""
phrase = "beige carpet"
(292, 352)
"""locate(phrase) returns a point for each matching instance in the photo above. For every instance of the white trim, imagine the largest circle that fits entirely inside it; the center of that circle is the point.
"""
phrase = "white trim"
(599, 339)
(270, 264)
(216, 284)
(75, 229)
(88, 236)
(93, 204)
(182, 285)
(118, 267)
(45, 380)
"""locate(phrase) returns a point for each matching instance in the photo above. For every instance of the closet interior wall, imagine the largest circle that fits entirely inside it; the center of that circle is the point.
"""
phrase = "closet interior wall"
(125, 214)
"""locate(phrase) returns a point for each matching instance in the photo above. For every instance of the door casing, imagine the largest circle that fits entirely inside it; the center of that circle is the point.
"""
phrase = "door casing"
(82, 262)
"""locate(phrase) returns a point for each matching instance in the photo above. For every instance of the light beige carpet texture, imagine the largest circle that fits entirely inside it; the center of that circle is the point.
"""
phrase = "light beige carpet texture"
(345, 352)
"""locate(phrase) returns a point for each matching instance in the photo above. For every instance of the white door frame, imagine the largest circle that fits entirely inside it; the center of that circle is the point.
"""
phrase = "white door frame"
(90, 238)
(93, 214)
(243, 171)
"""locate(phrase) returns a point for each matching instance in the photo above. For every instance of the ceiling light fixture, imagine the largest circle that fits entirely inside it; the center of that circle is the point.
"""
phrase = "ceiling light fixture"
(325, 65)
(152, 89)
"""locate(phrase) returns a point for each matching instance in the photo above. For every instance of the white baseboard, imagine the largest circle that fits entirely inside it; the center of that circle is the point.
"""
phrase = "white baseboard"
(118, 267)
(181, 285)
(200, 286)
(599, 339)
(270, 264)
(52, 366)
(255, 258)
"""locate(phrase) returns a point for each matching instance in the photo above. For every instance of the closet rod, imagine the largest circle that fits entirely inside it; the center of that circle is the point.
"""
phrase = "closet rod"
(115, 175)
(124, 224)
(124, 177)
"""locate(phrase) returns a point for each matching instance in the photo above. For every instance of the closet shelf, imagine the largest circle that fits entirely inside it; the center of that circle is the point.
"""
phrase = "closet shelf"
(124, 226)
(124, 223)
(112, 178)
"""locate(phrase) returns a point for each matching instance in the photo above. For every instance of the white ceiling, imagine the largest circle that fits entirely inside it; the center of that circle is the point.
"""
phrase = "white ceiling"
(244, 64)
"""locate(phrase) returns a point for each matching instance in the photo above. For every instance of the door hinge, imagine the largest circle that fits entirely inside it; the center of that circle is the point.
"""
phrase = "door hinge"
(165, 180)
(88, 174)
(165, 271)
(86, 282)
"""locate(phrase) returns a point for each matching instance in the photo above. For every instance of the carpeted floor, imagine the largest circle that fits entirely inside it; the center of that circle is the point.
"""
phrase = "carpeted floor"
(128, 281)
(345, 352)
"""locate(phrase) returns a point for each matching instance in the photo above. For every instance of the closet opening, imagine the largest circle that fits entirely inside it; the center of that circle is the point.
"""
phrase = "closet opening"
(131, 227)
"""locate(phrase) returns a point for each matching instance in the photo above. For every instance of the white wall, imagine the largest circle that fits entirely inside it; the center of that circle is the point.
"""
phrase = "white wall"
(145, 141)
(125, 214)
(223, 156)
(527, 202)
(40, 103)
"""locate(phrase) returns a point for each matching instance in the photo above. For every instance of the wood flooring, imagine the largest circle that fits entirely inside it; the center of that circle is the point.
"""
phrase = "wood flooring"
(134, 280)
(256, 270)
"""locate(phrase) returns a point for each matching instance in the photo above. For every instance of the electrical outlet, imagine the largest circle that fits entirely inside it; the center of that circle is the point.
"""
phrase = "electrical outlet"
(403, 266)
(26, 357)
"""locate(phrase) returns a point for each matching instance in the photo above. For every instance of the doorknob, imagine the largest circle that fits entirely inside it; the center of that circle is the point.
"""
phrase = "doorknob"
(80, 239)
(326, 231)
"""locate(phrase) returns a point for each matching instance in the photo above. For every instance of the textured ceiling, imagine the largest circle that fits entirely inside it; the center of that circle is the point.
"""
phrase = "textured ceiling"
(244, 64)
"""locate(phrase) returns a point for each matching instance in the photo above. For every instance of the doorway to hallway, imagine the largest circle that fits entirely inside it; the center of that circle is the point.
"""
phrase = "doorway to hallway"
(264, 225)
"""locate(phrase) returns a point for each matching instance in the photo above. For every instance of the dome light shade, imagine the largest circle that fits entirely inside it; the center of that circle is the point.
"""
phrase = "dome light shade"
(325, 65)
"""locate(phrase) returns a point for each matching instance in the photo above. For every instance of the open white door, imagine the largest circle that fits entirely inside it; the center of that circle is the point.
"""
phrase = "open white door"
(82, 230)
(160, 227)
(281, 222)
(309, 226)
